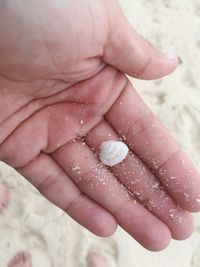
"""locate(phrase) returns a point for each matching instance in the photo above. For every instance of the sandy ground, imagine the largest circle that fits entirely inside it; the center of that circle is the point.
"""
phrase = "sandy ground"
(53, 239)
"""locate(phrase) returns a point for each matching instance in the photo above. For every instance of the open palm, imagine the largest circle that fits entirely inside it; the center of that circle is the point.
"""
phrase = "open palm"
(62, 93)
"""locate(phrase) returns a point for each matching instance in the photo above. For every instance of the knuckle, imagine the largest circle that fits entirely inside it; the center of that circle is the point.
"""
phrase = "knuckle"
(90, 178)
(142, 124)
(49, 182)
(72, 203)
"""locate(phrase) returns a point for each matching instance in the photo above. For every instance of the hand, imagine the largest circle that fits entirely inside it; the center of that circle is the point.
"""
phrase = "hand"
(62, 93)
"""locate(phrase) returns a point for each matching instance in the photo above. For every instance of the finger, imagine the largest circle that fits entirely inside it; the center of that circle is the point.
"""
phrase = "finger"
(56, 186)
(130, 53)
(95, 181)
(138, 179)
(150, 141)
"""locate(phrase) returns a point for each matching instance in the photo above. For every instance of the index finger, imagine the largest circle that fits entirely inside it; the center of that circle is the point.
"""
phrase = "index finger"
(150, 140)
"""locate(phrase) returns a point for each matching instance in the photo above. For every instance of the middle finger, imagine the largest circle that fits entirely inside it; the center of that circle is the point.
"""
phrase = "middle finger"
(138, 180)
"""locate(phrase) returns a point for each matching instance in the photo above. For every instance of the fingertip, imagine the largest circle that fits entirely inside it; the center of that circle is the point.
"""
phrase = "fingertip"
(103, 226)
(107, 232)
(171, 56)
(191, 206)
(185, 228)
(105, 229)
(172, 60)
(159, 66)
(166, 64)
(161, 240)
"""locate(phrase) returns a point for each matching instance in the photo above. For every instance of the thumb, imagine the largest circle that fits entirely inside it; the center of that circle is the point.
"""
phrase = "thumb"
(130, 53)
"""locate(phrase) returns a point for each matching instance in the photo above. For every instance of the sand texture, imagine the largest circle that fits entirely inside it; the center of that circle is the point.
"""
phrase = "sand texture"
(31, 223)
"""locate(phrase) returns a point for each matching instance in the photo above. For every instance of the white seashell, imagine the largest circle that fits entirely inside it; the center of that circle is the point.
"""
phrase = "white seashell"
(113, 152)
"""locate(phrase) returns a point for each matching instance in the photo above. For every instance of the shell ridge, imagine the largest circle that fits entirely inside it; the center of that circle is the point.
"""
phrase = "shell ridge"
(113, 152)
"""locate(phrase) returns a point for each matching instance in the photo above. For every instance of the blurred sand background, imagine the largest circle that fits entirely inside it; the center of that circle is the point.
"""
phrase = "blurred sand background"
(54, 240)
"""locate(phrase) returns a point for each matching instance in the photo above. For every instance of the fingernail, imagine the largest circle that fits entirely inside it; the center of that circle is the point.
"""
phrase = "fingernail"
(171, 56)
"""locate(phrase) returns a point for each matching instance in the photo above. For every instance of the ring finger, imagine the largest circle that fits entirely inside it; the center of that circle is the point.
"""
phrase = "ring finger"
(100, 185)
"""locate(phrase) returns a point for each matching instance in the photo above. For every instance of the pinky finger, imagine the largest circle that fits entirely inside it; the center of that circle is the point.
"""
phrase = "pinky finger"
(57, 187)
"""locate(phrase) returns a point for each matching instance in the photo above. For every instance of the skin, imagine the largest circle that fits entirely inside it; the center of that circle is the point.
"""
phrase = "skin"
(62, 93)
(20, 259)
(95, 259)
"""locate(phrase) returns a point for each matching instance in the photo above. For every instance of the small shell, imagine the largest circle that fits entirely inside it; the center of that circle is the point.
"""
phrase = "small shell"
(113, 152)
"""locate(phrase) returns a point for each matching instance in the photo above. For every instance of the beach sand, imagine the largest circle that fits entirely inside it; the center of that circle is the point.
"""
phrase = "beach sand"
(53, 239)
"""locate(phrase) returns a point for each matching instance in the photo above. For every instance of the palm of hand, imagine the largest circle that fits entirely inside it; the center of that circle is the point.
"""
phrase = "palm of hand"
(52, 135)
